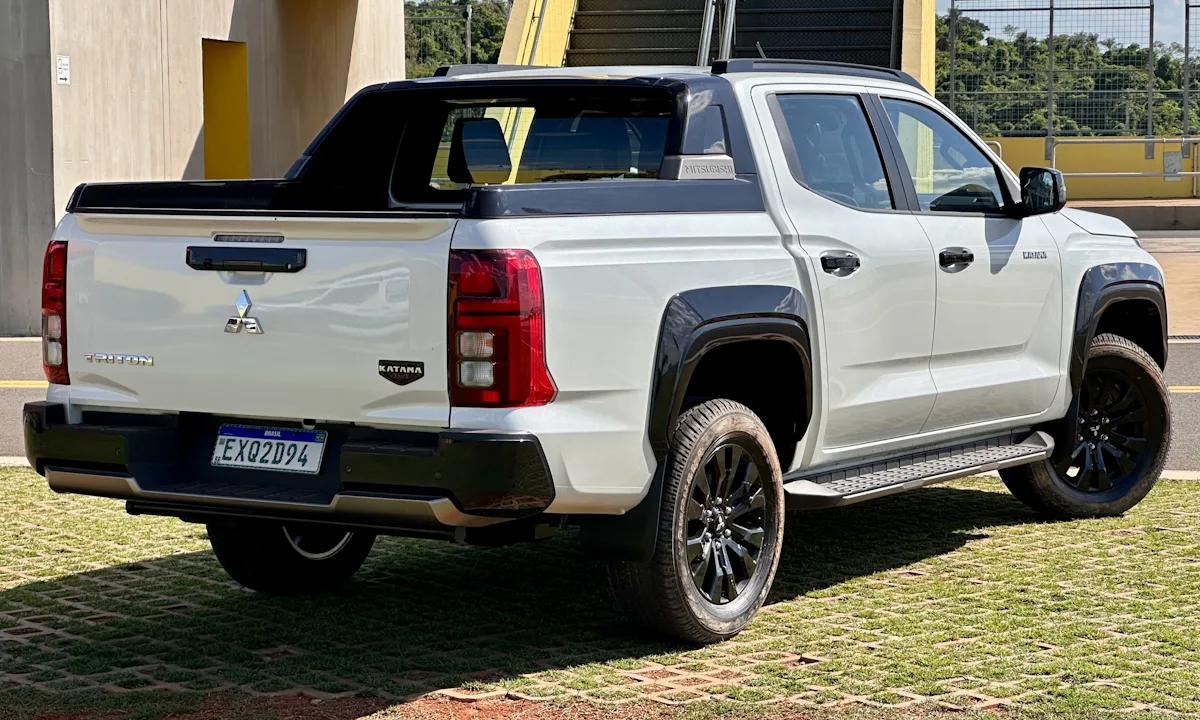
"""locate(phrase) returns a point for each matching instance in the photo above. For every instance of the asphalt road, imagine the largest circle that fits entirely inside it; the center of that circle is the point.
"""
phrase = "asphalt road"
(20, 361)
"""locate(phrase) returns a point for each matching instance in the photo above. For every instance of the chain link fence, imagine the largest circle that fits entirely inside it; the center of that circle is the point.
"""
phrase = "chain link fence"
(1015, 68)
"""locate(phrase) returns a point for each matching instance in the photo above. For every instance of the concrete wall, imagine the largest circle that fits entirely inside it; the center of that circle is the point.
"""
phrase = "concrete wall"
(26, 161)
(135, 107)
(1130, 157)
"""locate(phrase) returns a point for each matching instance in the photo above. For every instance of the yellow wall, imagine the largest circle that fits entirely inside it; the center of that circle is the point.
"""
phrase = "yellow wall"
(226, 110)
(134, 109)
(1030, 152)
(522, 27)
(918, 41)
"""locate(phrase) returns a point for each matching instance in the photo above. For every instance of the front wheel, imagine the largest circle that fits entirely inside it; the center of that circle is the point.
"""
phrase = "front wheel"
(720, 529)
(1120, 447)
(289, 559)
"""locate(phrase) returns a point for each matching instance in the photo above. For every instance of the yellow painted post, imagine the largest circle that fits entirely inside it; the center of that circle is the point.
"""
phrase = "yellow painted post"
(918, 41)
(226, 110)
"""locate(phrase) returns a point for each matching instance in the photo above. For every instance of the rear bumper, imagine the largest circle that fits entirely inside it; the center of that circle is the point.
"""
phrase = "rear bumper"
(390, 480)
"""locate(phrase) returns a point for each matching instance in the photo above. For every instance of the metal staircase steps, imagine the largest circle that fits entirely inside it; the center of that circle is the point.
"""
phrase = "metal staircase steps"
(907, 472)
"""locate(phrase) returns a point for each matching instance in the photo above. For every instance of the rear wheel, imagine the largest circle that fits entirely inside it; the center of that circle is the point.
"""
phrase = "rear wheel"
(720, 529)
(291, 559)
(1118, 452)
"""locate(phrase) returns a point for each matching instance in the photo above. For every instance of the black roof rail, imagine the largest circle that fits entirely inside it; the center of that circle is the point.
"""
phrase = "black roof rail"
(455, 70)
(824, 67)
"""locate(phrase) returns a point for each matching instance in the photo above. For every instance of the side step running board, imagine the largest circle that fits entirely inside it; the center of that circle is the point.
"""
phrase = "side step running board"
(907, 472)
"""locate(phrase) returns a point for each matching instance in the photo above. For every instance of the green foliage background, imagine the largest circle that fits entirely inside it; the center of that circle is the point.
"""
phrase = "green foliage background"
(429, 44)
(1100, 84)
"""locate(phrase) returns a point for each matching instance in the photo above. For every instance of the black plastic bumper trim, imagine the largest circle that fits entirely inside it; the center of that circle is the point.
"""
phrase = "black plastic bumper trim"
(167, 460)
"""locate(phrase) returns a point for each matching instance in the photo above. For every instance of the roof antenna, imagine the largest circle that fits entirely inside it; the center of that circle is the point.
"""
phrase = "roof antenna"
(761, 54)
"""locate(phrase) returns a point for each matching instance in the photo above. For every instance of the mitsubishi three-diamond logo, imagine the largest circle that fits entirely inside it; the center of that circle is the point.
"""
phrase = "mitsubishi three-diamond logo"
(235, 324)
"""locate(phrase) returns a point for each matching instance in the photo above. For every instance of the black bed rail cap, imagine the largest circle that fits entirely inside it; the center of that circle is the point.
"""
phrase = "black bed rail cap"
(820, 67)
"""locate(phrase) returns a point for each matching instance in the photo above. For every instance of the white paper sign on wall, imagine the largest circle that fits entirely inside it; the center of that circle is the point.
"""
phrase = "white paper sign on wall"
(62, 67)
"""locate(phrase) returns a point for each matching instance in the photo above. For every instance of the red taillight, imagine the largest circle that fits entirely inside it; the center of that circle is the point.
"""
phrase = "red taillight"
(497, 342)
(54, 313)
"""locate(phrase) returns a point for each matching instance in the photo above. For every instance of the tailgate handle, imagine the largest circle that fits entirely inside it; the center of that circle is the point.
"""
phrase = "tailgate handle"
(247, 259)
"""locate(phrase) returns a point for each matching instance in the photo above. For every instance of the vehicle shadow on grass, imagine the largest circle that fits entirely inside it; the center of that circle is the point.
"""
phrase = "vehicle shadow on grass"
(420, 615)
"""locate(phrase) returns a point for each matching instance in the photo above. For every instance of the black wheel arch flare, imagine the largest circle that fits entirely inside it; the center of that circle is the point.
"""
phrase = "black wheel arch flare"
(1102, 287)
(694, 323)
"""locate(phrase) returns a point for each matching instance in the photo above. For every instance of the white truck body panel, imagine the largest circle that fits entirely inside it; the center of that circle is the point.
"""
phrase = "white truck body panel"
(607, 281)
(373, 289)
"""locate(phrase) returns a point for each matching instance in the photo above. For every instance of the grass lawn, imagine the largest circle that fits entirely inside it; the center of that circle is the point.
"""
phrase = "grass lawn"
(951, 597)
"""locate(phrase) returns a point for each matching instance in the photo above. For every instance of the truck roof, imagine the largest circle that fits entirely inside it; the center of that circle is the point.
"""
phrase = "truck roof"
(759, 66)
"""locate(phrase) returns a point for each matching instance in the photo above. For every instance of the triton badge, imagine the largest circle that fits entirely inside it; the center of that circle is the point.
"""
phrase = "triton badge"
(401, 372)
(144, 360)
(235, 324)
(1034, 254)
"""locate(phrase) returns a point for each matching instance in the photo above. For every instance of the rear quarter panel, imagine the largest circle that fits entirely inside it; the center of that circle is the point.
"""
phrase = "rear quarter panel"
(607, 281)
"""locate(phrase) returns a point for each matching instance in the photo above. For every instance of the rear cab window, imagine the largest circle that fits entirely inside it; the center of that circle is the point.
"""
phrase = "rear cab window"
(412, 148)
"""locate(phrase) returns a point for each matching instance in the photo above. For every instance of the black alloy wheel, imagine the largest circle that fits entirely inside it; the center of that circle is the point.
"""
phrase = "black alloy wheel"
(1115, 427)
(725, 523)
(1121, 441)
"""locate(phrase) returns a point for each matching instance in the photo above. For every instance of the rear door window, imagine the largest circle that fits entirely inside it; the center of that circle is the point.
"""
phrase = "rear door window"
(831, 149)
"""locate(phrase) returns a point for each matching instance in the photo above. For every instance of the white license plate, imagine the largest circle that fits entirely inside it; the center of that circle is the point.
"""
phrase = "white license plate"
(278, 449)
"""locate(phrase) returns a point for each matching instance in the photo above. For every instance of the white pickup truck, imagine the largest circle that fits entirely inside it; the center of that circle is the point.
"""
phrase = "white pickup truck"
(659, 304)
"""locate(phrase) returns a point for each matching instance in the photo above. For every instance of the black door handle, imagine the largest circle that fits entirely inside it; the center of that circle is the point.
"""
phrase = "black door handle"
(247, 259)
(840, 265)
(955, 256)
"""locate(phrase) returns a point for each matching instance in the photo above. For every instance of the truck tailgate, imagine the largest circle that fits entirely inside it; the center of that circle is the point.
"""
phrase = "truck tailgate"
(372, 290)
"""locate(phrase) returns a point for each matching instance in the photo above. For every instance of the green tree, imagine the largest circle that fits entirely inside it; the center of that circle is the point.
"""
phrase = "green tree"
(431, 43)
(1000, 82)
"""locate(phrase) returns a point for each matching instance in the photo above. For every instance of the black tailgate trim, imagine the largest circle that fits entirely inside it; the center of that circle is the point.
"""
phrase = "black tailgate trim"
(247, 259)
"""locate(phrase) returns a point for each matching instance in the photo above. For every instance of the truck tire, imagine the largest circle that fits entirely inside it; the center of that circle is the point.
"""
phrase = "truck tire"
(292, 559)
(720, 529)
(1123, 437)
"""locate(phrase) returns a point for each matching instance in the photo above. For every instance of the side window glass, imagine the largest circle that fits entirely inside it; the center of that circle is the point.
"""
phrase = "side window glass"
(950, 173)
(831, 150)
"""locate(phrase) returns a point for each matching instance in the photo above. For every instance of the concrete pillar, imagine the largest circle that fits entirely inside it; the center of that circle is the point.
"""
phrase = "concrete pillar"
(26, 161)
(918, 41)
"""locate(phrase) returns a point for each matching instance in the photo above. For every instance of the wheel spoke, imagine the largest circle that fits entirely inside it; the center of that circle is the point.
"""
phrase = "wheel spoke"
(736, 460)
(1135, 415)
(1084, 478)
(757, 501)
(744, 558)
(714, 592)
(1124, 403)
(1124, 464)
(730, 591)
(751, 537)
(1105, 387)
(1069, 461)
(702, 485)
(1102, 479)
(695, 547)
(700, 571)
(695, 511)
(1133, 445)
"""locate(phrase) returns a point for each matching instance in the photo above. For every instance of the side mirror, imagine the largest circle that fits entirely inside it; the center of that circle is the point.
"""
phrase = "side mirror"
(478, 152)
(1043, 190)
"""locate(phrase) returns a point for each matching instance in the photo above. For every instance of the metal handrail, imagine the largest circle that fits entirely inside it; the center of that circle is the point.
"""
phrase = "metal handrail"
(706, 28)
(727, 30)
(1181, 141)
(995, 146)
